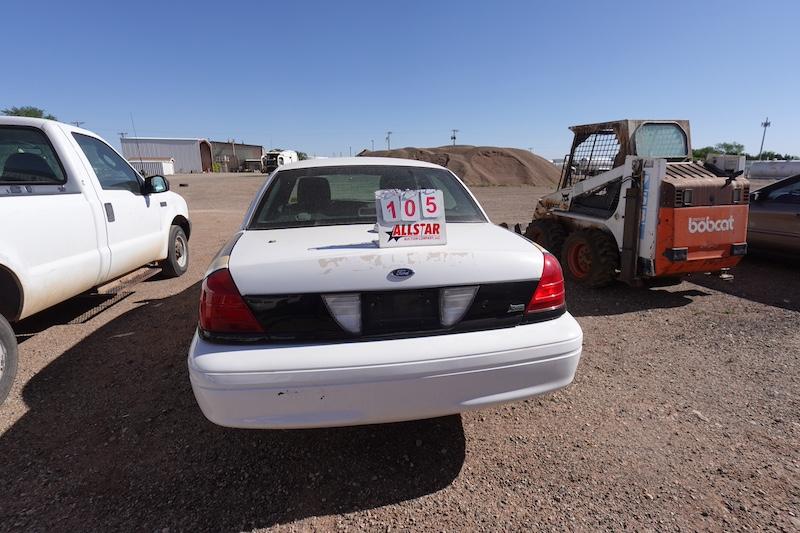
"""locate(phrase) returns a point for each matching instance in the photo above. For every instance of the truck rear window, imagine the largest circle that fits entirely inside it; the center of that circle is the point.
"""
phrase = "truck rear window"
(27, 158)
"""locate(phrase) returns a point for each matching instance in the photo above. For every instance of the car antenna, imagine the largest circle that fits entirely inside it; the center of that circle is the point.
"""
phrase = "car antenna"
(138, 148)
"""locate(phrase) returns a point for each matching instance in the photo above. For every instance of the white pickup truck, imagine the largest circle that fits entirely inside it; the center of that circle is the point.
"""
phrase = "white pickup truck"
(74, 215)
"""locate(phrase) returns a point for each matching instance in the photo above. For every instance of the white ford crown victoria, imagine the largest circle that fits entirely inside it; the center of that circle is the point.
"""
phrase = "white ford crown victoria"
(340, 303)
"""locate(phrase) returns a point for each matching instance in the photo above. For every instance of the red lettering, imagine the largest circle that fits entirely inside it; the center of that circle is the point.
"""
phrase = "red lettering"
(436, 229)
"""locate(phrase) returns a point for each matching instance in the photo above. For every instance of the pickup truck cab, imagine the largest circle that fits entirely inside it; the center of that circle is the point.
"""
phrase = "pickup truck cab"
(74, 215)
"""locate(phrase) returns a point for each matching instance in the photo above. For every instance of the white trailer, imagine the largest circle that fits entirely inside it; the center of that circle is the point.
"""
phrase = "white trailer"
(773, 169)
(154, 166)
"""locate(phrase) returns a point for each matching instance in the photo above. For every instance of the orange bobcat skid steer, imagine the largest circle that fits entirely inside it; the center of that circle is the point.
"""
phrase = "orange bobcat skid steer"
(632, 205)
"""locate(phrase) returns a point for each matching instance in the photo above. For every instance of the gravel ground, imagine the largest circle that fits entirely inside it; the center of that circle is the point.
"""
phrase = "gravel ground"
(684, 415)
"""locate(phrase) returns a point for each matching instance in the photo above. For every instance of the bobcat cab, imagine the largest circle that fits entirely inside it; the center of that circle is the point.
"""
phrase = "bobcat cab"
(632, 205)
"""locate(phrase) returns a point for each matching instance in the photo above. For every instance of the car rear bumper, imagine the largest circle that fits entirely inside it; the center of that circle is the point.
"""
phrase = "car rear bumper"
(353, 383)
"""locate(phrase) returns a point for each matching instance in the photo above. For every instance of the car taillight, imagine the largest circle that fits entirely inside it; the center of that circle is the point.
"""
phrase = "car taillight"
(549, 294)
(222, 308)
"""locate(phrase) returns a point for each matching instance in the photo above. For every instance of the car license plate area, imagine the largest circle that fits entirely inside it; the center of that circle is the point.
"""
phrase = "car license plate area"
(400, 311)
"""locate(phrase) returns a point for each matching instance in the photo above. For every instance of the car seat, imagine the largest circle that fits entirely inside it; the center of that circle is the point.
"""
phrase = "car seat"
(25, 167)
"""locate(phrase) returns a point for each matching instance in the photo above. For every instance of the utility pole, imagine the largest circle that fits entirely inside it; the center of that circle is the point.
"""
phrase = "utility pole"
(351, 151)
(453, 136)
(766, 124)
(122, 134)
(78, 123)
(233, 147)
(373, 144)
(388, 140)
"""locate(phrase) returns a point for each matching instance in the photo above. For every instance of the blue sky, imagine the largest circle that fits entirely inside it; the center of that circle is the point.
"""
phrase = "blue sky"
(326, 76)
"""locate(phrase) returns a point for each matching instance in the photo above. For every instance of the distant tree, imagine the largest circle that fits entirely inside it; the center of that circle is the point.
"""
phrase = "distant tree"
(28, 111)
(701, 153)
(729, 148)
(302, 156)
(769, 154)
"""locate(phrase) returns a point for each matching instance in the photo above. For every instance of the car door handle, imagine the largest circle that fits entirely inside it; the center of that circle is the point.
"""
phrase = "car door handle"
(109, 211)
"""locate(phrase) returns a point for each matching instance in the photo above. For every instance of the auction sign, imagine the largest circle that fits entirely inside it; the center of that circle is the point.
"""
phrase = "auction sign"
(410, 218)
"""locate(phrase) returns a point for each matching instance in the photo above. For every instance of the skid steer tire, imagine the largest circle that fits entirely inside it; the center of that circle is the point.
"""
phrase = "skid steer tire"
(549, 233)
(590, 258)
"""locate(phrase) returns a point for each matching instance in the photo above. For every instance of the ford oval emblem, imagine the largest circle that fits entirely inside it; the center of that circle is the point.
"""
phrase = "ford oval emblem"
(401, 273)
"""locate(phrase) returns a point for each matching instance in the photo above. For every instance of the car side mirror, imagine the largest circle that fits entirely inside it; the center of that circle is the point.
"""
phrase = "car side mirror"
(155, 184)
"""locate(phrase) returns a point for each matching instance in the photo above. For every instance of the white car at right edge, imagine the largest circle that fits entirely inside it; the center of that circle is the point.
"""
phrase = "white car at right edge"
(309, 318)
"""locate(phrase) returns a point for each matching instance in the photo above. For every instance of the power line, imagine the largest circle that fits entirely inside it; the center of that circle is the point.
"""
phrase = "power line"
(453, 136)
(388, 140)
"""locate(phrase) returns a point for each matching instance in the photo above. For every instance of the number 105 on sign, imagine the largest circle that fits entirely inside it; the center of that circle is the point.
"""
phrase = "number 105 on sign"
(410, 206)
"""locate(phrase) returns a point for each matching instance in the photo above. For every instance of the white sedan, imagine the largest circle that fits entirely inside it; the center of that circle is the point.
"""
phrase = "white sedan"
(310, 318)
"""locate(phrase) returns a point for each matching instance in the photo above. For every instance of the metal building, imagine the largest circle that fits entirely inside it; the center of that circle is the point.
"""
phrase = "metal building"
(231, 156)
(189, 155)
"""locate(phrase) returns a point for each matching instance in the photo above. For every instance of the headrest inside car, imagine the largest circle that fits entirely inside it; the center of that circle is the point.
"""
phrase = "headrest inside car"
(398, 182)
(313, 193)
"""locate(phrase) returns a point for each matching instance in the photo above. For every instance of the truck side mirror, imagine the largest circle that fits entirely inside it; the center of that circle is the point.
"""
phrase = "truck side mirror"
(155, 184)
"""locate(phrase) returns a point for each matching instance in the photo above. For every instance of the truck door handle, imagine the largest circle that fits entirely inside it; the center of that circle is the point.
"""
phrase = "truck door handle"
(109, 211)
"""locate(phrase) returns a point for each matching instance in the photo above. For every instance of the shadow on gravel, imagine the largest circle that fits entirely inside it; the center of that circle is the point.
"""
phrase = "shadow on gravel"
(73, 310)
(114, 440)
(86, 306)
(620, 298)
(767, 279)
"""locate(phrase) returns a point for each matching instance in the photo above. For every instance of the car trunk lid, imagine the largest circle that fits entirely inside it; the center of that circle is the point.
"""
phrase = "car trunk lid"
(346, 258)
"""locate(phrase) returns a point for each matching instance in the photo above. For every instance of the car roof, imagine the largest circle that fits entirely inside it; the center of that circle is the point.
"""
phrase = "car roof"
(25, 121)
(41, 123)
(358, 161)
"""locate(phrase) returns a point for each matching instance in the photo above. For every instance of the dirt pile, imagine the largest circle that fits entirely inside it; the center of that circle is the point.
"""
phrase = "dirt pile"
(483, 165)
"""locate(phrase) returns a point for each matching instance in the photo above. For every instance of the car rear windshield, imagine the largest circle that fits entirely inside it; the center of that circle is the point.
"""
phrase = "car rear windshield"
(328, 196)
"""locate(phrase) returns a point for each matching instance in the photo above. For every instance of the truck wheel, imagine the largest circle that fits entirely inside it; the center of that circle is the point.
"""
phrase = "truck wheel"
(177, 261)
(591, 258)
(8, 358)
(549, 233)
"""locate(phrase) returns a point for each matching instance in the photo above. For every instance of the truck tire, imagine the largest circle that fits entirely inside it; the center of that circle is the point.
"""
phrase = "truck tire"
(549, 233)
(8, 358)
(590, 257)
(177, 262)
